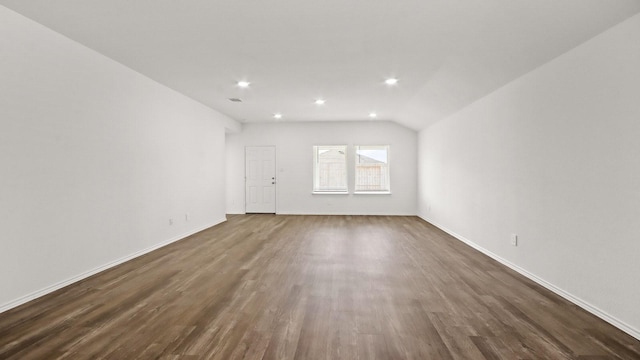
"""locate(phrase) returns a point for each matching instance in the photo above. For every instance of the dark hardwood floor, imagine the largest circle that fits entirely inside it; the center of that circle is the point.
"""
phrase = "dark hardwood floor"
(310, 287)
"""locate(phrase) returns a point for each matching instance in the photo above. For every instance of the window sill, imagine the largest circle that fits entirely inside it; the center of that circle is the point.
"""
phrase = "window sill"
(330, 193)
(372, 193)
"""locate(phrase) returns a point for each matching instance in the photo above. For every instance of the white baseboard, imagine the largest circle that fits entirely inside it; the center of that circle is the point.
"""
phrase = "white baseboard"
(328, 213)
(49, 289)
(566, 295)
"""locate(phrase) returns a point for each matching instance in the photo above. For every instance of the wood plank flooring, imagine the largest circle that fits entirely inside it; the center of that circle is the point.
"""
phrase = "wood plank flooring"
(309, 287)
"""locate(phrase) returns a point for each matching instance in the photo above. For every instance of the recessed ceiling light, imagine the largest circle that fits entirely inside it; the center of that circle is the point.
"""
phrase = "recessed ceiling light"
(391, 81)
(320, 102)
(373, 115)
(277, 116)
(244, 84)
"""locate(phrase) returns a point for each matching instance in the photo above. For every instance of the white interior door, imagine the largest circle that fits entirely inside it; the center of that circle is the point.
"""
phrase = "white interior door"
(260, 179)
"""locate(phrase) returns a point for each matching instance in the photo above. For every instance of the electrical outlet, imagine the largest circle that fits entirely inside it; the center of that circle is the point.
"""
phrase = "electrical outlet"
(186, 217)
(170, 221)
(514, 239)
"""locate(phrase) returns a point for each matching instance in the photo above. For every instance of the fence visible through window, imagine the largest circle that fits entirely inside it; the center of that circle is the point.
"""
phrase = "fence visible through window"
(372, 169)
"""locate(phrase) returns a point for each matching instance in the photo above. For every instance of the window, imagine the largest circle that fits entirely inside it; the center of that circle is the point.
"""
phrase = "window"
(330, 169)
(372, 169)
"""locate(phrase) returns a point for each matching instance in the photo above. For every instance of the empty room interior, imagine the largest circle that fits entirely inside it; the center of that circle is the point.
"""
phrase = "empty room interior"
(297, 179)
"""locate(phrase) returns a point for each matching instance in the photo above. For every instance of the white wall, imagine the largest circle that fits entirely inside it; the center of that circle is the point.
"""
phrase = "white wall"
(94, 160)
(294, 157)
(555, 158)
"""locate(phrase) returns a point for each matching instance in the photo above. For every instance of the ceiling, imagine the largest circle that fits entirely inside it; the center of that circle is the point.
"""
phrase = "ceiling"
(445, 53)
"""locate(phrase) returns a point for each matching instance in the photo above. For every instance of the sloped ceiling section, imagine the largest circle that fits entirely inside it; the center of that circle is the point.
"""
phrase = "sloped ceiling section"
(446, 54)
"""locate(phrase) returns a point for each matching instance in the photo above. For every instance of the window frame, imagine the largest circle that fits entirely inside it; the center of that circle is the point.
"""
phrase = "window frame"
(316, 174)
(386, 191)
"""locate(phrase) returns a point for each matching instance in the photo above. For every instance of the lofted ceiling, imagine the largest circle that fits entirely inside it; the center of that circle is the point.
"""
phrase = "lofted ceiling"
(444, 53)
